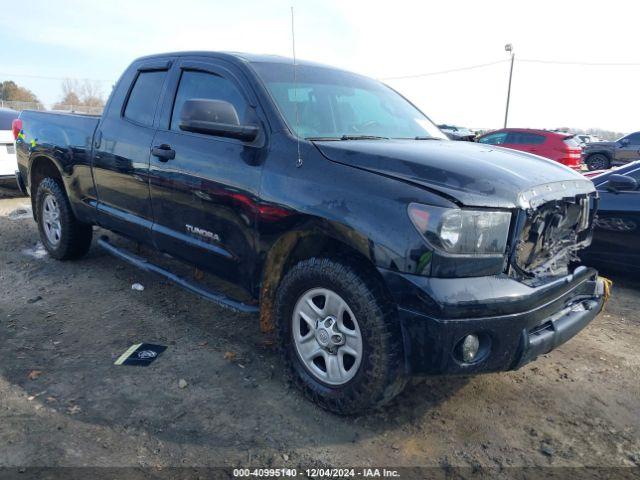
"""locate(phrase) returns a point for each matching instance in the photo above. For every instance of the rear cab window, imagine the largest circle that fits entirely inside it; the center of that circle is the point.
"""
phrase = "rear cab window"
(144, 96)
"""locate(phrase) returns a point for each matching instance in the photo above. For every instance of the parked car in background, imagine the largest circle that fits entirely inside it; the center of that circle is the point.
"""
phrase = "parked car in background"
(458, 133)
(8, 162)
(604, 155)
(616, 236)
(561, 147)
(584, 138)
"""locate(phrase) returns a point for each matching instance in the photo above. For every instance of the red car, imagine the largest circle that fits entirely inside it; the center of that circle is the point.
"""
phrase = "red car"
(561, 147)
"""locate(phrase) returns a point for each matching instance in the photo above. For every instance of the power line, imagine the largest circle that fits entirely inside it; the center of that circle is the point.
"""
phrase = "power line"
(398, 77)
(587, 64)
(42, 77)
(519, 60)
(460, 69)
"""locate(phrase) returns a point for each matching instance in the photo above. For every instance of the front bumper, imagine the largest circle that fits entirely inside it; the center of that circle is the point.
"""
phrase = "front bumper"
(514, 322)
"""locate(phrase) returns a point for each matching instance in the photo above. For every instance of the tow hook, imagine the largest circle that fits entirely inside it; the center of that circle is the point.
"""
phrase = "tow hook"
(603, 287)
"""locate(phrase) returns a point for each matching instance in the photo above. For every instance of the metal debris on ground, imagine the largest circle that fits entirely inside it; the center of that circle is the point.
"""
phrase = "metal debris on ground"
(21, 213)
(37, 251)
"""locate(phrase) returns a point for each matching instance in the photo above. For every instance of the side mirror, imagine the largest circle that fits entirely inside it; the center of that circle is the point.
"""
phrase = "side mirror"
(214, 117)
(624, 142)
(622, 183)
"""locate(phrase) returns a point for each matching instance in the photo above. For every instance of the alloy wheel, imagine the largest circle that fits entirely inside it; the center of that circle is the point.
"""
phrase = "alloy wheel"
(327, 336)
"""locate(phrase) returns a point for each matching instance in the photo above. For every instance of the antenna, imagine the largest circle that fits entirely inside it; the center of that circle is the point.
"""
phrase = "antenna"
(295, 86)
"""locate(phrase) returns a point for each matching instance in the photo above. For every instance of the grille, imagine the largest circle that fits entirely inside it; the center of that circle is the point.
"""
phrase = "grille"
(551, 235)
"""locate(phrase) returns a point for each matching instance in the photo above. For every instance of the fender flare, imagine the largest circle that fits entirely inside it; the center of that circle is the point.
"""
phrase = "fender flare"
(278, 255)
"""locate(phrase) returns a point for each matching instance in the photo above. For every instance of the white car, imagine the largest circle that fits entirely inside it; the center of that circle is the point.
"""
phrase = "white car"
(8, 160)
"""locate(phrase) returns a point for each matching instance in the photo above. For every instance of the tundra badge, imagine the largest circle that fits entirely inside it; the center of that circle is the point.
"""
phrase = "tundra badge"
(201, 232)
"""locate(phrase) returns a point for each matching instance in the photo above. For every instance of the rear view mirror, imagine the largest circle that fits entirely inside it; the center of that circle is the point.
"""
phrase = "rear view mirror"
(622, 183)
(214, 117)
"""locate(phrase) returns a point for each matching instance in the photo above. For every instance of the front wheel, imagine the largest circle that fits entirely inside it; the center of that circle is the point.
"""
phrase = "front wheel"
(340, 336)
(62, 234)
(597, 162)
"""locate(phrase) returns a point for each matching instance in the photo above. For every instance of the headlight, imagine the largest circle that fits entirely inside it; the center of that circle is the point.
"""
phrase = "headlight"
(461, 231)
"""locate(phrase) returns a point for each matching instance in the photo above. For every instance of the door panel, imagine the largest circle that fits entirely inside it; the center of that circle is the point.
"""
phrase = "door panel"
(121, 169)
(204, 199)
(121, 159)
(616, 235)
(629, 151)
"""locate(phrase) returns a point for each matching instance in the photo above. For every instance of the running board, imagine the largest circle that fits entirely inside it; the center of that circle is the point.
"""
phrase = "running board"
(144, 264)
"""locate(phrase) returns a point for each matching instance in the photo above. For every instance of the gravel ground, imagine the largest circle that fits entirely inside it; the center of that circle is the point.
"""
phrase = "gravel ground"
(217, 395)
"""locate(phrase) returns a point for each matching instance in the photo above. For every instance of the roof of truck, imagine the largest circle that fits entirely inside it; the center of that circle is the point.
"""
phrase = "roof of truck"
(244, 57)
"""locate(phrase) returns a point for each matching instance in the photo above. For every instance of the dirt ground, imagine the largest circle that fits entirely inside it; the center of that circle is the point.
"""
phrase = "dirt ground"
(64, 403)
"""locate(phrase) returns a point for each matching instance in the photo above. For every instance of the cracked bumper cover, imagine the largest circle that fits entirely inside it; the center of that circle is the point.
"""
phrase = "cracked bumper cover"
(516, 322)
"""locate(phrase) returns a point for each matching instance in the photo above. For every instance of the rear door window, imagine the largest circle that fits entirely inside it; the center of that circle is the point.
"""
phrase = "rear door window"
(525, 138)
(143, 100)
(494, 138)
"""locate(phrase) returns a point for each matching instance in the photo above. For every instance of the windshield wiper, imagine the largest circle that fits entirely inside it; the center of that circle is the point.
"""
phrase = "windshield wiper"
(347, 137)
(418, 138)
(362, 137)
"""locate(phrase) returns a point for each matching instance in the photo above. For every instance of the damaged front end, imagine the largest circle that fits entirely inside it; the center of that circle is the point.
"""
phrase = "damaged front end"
(555, 222)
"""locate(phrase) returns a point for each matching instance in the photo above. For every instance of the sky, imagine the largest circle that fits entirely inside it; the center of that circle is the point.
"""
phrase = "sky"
(386, 39)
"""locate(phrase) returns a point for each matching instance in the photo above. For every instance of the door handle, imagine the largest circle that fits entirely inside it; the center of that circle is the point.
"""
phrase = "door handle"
(164, 152)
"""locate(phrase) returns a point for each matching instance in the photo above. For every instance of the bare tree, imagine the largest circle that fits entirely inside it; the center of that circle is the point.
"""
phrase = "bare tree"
(91, 94)
(82, 96)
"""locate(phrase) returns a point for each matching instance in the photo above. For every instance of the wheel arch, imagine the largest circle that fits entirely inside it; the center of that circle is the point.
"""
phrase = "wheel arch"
(295, 246)
(41, 167)
(606, 153)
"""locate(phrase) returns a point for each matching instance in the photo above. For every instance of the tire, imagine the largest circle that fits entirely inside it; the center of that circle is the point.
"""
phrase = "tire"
(64, 239)
(598, 161)
(377, 374)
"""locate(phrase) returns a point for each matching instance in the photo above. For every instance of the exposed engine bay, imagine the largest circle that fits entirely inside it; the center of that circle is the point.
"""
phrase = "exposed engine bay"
(552, 234)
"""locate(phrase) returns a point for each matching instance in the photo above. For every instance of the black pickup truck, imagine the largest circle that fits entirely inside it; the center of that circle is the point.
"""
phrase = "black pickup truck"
(604, 155)
(373, 246)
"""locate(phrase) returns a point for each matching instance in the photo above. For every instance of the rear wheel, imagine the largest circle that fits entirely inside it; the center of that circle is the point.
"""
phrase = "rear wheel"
(62, 234)
(598, 161)
(339, 336)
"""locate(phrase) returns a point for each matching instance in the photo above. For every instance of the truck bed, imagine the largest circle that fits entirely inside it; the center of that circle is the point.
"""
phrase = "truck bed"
(64, 139)
(58, 129)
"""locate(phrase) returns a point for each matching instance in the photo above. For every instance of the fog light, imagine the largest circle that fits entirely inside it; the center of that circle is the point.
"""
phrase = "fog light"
(470, 346)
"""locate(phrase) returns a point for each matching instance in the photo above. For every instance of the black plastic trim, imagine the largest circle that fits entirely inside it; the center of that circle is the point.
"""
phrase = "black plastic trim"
(144, 264)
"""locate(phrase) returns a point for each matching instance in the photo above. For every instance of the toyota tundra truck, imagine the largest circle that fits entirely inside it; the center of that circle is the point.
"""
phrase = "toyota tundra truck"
(373, 248)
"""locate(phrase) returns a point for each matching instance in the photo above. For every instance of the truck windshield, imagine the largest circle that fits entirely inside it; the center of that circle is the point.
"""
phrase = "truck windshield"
(327, 104)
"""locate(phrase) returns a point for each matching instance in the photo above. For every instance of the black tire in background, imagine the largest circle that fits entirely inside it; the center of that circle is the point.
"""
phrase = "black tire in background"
(598, 161)
(74, 239)
(381, 374)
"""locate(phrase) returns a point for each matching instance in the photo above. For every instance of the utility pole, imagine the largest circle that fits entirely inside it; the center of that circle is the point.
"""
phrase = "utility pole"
(509, 48)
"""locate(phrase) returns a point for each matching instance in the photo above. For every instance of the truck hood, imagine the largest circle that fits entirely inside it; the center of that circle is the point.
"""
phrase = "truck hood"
(471, 174)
